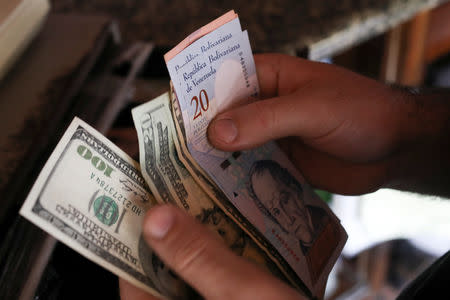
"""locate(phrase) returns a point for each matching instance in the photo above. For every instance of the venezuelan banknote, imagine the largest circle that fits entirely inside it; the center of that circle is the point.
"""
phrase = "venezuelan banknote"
(159, 156)
(211, 71)
(91, 196)
(221, 199)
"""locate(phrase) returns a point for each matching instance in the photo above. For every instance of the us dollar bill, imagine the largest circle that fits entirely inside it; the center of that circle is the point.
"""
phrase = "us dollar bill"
(157, 142)
(210, 74)
(91, 196)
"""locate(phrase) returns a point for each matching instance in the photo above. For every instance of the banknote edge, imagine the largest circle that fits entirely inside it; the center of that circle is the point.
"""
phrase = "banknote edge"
(213, 25)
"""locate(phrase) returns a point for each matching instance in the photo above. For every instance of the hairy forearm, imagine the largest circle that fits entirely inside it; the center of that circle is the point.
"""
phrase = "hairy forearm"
(422, 162)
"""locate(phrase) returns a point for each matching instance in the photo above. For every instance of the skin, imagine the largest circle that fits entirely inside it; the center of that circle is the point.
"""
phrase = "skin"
(201, 258)
(230, 237)
(346, 133)
(169, 282)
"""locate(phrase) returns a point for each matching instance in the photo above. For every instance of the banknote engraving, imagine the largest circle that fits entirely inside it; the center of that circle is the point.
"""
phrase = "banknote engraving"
(216, 219)
(168, 167)
(285, 206)
(154, 178)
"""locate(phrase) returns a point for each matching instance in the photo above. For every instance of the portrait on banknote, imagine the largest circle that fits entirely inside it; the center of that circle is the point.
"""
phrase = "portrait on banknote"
(278, 194)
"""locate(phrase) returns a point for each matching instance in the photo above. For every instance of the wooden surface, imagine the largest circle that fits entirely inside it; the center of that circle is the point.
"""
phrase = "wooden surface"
(318, 27)
(414, 64)
(438, 37)
(404, 55)
(6, 7)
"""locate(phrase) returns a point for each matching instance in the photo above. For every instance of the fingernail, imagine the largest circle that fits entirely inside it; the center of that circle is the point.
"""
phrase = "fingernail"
(159, 222)
(224, 130)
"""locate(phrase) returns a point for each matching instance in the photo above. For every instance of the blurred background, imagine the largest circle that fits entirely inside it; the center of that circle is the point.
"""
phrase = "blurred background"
(99, 58)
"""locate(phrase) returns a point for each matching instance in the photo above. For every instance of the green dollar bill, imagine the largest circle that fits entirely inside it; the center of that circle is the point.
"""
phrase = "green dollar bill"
(91, 196)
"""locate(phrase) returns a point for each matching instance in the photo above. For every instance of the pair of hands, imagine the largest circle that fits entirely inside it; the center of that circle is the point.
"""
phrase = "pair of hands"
(345, 133)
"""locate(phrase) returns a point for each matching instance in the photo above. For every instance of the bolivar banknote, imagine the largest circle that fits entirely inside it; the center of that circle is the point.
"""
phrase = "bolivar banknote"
(157, 142)
(221, 199)
(91, 196)
(193, 71)
(211, 74)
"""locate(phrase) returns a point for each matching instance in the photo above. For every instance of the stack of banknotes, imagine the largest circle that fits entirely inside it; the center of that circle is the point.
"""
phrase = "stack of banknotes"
(93, 197)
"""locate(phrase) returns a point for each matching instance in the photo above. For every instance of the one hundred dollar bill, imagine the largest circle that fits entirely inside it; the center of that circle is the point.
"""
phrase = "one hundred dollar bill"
(91, 196)
(211, 73)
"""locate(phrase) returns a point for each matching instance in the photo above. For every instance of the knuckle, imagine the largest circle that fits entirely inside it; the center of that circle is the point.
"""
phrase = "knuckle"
(190, 253)
(267, 118)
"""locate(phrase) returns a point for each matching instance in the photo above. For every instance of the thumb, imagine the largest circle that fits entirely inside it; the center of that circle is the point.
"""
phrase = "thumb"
(204, 262)
(256, 123)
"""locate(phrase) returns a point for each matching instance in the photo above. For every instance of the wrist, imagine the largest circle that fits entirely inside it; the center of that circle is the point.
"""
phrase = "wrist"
(425, 115)
(421, 162)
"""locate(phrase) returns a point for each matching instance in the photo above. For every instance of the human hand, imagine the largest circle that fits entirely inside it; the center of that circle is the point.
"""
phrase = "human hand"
(203, 261)
(342, 130)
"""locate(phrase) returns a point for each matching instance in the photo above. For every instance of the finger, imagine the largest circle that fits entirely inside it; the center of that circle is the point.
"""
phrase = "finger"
(131, 292)
(326, 172)
(280, 74)
(256, 123)
(204, 262)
